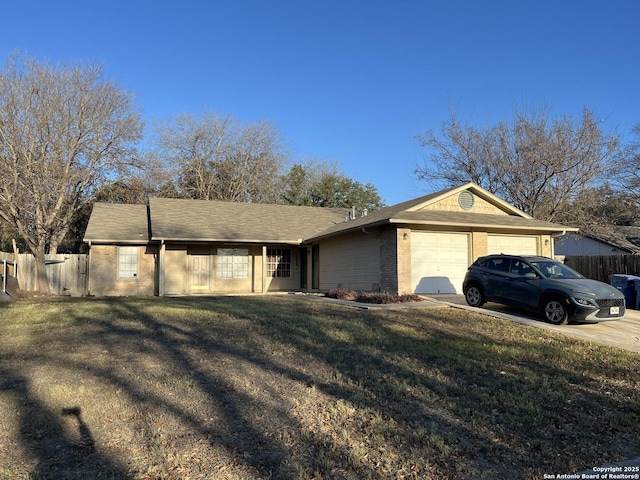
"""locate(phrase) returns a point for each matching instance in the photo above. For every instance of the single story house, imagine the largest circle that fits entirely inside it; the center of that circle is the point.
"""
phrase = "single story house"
(585, 245)
(185, 247)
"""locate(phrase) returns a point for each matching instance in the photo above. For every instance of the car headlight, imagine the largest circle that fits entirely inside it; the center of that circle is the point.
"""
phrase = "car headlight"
(586, 302)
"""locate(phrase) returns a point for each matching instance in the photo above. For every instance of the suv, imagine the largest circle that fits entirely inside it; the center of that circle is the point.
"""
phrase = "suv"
(542, 285)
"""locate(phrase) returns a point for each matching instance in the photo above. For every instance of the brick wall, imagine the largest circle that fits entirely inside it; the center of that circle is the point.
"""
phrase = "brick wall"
(103, 272)
(479, 245)
(388, 261)
(403, 239)
(395, 260)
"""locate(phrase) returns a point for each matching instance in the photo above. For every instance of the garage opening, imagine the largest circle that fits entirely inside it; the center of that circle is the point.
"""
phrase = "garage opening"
(439, 261)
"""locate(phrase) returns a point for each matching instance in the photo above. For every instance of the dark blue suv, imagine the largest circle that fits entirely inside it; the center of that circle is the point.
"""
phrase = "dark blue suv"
(541, 285)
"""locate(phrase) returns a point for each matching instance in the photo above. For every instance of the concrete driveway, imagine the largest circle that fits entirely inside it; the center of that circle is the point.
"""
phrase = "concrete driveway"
(623, 333)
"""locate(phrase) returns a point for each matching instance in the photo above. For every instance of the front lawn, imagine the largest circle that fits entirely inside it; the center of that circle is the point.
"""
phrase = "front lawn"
(285, 388)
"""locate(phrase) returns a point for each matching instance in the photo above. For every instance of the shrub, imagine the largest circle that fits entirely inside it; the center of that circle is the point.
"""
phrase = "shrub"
(371, 297)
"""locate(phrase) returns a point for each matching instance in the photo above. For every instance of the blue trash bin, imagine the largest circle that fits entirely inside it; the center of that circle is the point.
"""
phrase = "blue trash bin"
(625, 283)
(636, 285)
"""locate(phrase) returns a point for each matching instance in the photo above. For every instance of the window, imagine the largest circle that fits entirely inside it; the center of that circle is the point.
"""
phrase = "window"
(279, 262)
(233, 263)
(499, 264)
(127, 262)
(521, 268)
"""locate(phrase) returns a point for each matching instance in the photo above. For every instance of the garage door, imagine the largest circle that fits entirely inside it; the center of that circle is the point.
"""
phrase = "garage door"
(512, 244)
(439, 261)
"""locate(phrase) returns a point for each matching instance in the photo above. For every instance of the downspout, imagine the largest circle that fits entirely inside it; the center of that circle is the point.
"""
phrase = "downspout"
(553, 244)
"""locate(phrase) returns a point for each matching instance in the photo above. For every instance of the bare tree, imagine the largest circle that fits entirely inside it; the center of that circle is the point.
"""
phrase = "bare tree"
(536, 162)
(220, 158)
(64, 129)
(629, 172)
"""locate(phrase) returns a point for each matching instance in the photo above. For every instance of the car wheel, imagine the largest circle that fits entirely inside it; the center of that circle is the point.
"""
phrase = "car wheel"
(555, 311)
(473, 295)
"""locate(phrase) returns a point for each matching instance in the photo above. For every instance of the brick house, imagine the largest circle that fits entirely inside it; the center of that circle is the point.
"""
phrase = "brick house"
(424, 245)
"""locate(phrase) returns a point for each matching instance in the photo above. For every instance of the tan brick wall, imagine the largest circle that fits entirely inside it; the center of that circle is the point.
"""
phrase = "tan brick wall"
(395, 260)
(546, 246)
(103, 272)
(479, 245)
(388, 261)
(403, 236)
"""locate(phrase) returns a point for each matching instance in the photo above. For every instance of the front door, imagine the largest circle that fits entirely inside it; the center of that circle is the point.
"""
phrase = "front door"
(199, 272)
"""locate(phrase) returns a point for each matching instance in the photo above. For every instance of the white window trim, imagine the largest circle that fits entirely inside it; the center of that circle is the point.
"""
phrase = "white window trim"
(131, 270)
(232, 263)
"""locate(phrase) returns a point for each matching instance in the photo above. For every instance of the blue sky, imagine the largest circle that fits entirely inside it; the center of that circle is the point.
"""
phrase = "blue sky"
(350, 81)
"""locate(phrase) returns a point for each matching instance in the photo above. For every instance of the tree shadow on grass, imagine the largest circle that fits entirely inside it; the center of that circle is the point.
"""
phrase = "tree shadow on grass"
(57, 452)
(232, 372)
(468, 402)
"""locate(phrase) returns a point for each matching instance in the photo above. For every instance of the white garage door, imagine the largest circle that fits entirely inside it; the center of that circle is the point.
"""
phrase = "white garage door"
(512, 244)
(439, 261)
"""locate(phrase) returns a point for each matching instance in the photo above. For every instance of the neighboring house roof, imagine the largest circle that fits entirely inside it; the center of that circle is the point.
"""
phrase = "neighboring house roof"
(111, 222)
(631, 234)
(620, 239)
(417, 212)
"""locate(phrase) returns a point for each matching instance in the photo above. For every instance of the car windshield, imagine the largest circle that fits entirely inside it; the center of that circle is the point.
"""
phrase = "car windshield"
(552, 269)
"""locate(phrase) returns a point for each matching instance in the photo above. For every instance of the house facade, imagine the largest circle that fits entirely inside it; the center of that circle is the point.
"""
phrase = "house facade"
(585, 245)
(189, 247)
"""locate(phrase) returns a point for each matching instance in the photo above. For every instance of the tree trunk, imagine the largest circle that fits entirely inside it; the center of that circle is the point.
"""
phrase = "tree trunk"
(42, 281)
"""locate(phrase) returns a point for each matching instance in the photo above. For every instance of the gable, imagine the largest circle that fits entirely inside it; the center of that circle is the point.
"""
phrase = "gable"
(464, 201)
(460, 208)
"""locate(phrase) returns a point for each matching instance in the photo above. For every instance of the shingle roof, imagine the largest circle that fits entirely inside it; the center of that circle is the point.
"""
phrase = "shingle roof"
(200, 220)
(118, 223)
(411, 213)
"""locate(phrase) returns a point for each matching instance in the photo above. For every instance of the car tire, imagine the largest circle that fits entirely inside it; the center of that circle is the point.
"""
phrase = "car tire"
(474, 296)
(555, 311)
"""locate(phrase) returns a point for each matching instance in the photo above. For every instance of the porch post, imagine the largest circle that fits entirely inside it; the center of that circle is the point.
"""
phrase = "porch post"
(264, 268)
(161, 270)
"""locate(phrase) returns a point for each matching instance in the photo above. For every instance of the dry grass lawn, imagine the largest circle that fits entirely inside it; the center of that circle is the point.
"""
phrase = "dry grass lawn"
(284, 388)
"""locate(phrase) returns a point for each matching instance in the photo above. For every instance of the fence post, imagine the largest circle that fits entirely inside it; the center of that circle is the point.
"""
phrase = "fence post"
(4, 276)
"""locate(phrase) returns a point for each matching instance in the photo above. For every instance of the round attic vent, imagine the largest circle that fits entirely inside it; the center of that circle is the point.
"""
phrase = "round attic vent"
(466, 200)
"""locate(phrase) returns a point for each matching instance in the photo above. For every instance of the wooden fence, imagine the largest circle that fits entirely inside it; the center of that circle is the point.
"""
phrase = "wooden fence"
(67, 273)
(601, 267)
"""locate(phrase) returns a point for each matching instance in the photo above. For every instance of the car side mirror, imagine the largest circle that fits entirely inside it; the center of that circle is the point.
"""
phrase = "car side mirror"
(530, 275)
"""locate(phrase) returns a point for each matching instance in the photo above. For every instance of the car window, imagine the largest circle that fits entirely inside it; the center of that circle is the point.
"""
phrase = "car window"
(551, 269)
(498, 264)
(521, 268)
